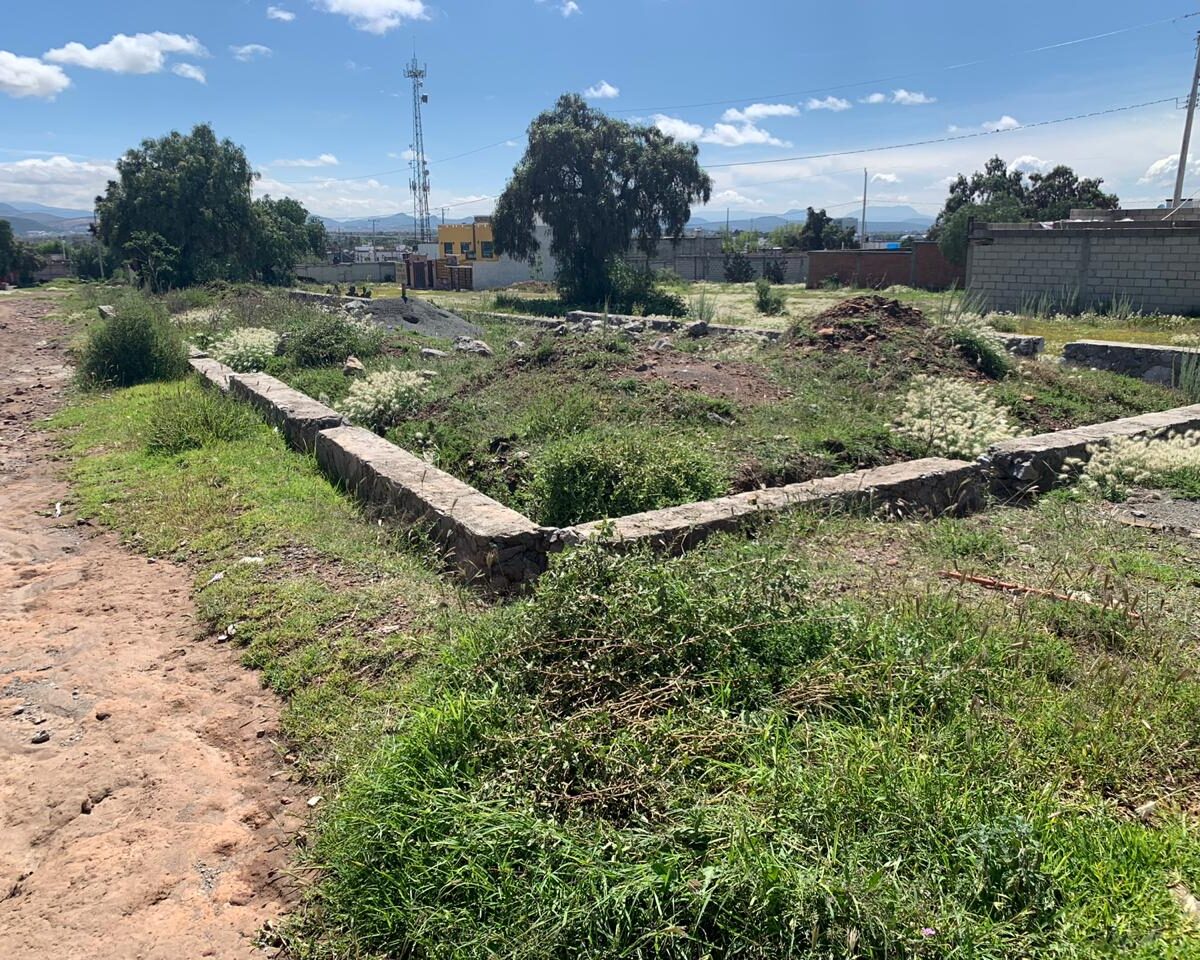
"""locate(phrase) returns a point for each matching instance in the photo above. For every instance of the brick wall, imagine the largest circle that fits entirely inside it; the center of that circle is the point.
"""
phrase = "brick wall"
(1151, 267)
(924, 266)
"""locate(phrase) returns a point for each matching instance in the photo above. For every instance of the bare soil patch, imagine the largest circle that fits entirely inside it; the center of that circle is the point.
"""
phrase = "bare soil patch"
(729, 379)
(145, 810)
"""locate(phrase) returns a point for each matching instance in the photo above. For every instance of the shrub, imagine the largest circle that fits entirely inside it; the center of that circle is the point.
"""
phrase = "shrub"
(593, 474)
(952, 418)
(1187, 377)
(383, 398)
(775, 270)
(766, 299)
(326, 338)
(137, 345)
(1125, 462)
(246, 349)
(982, 349)
(738, 268)
(193, 417)
(703, 307)
(639, 291)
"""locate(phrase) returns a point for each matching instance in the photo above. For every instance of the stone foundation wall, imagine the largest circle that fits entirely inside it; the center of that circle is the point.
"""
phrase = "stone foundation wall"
(297, 416)
(1146, 361)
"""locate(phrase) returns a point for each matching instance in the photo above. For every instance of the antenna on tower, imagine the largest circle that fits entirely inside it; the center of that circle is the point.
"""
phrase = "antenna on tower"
(419, 183)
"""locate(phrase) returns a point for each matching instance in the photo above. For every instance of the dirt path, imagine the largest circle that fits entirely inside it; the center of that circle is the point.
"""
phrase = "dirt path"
(154, 820)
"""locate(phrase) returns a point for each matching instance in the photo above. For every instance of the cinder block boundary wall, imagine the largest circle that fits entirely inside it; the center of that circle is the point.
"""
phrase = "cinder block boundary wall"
(1149, 265)
(1146, 361)
(501, 549)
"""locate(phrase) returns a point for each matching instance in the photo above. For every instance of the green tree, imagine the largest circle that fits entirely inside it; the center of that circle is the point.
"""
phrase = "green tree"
(192, 191)
(8, 249)
(283, 234)
(999, 194)
(17, 259)
(818, 232)
(596, 182)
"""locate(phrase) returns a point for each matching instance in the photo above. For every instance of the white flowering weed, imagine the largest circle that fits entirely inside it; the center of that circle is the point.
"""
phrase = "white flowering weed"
(952, 418)
(383, 398)
(1114, 467)
(246, 349)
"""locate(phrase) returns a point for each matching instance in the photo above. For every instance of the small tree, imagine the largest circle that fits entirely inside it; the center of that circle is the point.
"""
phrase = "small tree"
(818, 232)
(738, 268)
(597, 183)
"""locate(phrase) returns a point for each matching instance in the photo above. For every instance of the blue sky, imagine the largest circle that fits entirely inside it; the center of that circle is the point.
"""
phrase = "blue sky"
(314, 90)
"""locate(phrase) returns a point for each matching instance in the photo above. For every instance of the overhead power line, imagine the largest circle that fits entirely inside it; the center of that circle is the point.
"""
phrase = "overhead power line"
(852, 84)
(774, 96)
(948, 139)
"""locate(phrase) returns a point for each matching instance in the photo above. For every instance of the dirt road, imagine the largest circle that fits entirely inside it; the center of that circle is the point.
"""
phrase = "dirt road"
(142, 797)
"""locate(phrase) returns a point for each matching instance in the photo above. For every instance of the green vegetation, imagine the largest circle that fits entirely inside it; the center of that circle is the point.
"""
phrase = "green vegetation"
(18, 261)
(180, 212)
(599, 474)
(805, 743)
(766, 299)
(190, 420)
(596, 182)
(136, 345)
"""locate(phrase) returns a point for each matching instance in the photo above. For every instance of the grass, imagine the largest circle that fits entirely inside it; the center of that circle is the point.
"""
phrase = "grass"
(804, 743)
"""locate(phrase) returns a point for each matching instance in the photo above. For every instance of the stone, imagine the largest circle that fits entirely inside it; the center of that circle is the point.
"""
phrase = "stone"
(1153, 363)
(106, 312)
(298, 416)
(40, 737)
(698, 328)
(471, 345)
(515, 344)
(432, 353)
(353, 367)
(663, 344)
(1022, 345)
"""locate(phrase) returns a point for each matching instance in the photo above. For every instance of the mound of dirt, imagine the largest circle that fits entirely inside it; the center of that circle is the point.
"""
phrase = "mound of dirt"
(420, 316)
(882, 329)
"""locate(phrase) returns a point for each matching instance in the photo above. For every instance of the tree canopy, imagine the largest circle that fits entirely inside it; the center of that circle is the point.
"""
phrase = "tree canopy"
(17, 259)
(818, 232)
(181, 211)
(597, 183)
(1002, 194)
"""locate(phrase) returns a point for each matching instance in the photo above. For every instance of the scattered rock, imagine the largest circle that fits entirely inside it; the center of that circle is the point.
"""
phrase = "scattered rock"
(432, 353)
(427, 374)
(516, 344)
(663, 344)
(106, 312)
(698, 328)
(353, 367)
(313, 801)
(471, 345)
(561, 330)
(102, 714)
(215, 578)
(40, 737)
(17, 711)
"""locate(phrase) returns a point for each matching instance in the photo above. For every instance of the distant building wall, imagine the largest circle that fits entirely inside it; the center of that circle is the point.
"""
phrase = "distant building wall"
(1142, 261)
(712, 266)
(347, 272)
(923, 267)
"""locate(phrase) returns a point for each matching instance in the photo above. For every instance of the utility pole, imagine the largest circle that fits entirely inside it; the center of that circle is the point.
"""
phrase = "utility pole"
(420, 167)
(374, 220)
(1187, 131)
(863, 231)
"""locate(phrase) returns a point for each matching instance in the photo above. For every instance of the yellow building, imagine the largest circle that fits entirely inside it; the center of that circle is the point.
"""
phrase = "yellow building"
(468, 241)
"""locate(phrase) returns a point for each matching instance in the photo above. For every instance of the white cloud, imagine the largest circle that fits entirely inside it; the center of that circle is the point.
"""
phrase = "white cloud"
(511, 143)
(568, 8)
(1004, 123)
(324, 160)
(249, 51)
(911, 98)
(760, 111)
(884, 178)
(29, 77)
(376, 16)
(189, 71)
(732, 197)
(836, 104)
(602, 91)
(1028, 163)
(1163, 171)
(721, 134)
(280, 14)
(679, 129)
(905, 98)
(57, 180)
(141, 53)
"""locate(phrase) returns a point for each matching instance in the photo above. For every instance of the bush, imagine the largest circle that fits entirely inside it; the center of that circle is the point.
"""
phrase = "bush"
(1113, 468)
(594, 474)
(775, 270)
(639, 292)
(137, 345)
(194, 417)
(703, 306)
(766, 299)
(326, 338)
(982, 350)
(246, 349)
(380, 400)
(738, 268)
(952, 418)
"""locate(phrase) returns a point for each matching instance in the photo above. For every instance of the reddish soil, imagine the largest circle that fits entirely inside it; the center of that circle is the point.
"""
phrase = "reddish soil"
(145, 811)
(730, 379)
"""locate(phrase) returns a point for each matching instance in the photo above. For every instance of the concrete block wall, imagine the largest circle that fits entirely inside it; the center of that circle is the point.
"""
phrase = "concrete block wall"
(1151, 268)
(1146, 361)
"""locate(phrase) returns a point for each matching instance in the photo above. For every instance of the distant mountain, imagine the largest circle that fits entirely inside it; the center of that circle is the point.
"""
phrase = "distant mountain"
(63, 213)
(26, 222)
(21, 226)
(881, 219)
(394, 223)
